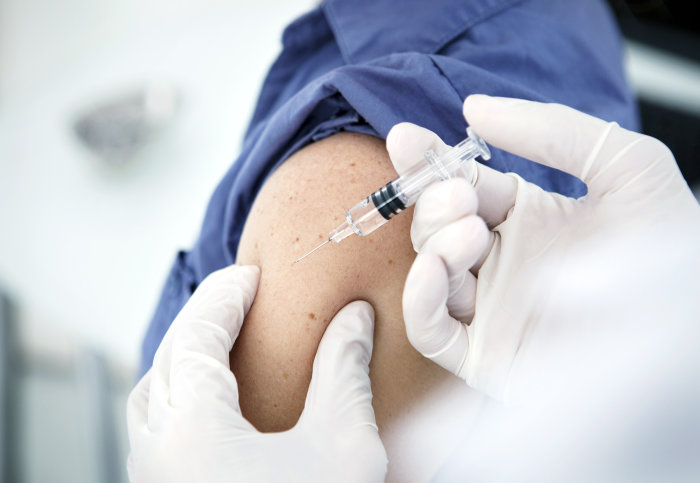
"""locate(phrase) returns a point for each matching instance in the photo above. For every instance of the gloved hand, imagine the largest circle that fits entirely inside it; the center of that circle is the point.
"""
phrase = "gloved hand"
(185, 423)
(474, 297)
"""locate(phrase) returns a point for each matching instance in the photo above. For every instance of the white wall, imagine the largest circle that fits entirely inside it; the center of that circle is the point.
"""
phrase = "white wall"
(84, 246)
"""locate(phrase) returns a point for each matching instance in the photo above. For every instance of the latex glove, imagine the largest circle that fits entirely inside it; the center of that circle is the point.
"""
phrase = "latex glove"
(473, 299)
(185, 423)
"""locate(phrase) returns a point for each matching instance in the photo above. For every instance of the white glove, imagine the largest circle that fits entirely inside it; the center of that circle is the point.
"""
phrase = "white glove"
(185, 423)
(477, 323)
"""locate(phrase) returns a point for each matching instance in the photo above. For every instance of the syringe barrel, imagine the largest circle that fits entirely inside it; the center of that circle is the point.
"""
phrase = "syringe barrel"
(399, 194)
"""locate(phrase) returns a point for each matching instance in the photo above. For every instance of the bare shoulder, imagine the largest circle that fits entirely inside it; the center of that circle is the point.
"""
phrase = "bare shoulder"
(273, 357)
(297, 207)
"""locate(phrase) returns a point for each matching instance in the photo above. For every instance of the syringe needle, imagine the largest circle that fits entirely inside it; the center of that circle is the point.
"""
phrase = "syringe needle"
(313, 251)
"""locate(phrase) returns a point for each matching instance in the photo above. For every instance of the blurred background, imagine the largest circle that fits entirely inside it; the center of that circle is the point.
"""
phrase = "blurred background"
(117, 120)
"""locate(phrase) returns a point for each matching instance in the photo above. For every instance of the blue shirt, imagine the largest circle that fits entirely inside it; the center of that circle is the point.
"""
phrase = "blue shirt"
(365, 65)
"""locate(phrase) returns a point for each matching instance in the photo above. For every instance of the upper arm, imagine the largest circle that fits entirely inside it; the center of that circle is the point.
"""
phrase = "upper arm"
(296, 208)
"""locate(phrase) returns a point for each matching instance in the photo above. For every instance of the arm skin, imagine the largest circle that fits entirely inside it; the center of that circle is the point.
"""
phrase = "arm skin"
(297, 207)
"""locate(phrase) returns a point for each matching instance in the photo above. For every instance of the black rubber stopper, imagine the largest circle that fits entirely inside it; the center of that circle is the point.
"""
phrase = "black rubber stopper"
(386, 201)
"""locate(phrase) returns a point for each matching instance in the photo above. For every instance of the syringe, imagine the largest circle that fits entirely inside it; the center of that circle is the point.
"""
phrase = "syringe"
(379, 207)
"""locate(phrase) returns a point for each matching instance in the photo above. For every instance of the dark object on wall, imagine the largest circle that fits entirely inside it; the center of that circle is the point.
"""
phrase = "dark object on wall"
(9, 466)
(671, 26)
(115, 128)
(679, 131)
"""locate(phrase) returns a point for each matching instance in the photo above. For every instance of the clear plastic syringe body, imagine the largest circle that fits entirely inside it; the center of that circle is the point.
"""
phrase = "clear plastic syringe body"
(379, 207)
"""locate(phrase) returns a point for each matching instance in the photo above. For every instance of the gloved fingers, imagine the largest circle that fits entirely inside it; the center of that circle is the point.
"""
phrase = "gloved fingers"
(460, 245)
(407, 144)
(223, 298)
(444, 224)
(462, 300)
(430, 328)
(340, 394)
(199, 306)
(549, 134)
(496, 192)
(204, 333)
(441, 204)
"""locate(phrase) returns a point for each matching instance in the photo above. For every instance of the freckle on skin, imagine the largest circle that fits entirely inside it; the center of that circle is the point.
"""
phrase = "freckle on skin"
(297, 239)
(320, 237)
(285, 375)
(352, 165)
(312, 316)
(390, 261)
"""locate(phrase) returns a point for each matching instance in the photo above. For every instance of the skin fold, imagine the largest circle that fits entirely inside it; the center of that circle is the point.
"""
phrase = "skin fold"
(272, 359)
